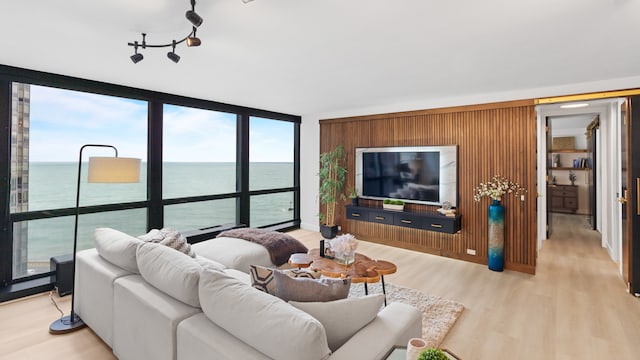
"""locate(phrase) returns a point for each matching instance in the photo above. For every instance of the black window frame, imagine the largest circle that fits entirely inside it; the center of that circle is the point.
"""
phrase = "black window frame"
(10, 288)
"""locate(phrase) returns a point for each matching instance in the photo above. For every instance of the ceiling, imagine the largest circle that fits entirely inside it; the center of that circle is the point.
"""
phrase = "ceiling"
(332, 56)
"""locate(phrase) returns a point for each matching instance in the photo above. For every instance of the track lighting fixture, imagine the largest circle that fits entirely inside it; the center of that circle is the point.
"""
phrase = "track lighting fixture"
(191, 38)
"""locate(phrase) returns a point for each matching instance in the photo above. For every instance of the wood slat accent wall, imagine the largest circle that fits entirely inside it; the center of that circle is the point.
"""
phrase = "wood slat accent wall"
(492, 139)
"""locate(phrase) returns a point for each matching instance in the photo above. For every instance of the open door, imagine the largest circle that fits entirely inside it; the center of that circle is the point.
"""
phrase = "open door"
(548, 184)
(631, 194)
(592, 147)
(623, 191)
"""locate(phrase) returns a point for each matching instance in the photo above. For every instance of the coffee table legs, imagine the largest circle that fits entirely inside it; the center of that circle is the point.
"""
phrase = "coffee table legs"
(384, 291)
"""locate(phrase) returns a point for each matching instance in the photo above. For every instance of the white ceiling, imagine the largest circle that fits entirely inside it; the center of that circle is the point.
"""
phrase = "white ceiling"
(331, 56)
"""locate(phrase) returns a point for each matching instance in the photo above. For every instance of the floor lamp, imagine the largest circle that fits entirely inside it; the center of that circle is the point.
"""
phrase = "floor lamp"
(101, 170)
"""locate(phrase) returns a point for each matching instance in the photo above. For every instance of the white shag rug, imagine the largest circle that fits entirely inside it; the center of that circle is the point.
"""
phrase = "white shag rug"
(438, 314)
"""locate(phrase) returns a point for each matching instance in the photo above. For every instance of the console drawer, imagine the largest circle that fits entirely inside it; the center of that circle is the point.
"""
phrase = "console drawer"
(357, 214)
(443, 224)
(381, 217)
(408, 220)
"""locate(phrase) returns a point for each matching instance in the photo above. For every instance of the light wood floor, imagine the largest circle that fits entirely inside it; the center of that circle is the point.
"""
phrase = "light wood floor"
(575, 307)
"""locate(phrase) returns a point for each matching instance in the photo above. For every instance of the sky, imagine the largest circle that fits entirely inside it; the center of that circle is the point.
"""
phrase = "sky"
(61, 121)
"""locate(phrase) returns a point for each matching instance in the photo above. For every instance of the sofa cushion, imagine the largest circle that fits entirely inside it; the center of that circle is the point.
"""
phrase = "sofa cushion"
(117, 248)
(304, 289)
(208, 263)
(343, 318)
(170, 271)
(169, 237)
(261, 320)
(262, 277)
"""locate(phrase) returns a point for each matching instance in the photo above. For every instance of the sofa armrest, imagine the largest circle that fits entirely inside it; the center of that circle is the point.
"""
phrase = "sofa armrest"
(394, 325)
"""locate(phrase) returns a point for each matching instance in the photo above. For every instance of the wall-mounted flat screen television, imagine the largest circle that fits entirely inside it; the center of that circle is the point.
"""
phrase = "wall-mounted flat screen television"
(418, 174)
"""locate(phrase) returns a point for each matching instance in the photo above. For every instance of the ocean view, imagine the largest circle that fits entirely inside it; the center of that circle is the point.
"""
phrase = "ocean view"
(52, 185)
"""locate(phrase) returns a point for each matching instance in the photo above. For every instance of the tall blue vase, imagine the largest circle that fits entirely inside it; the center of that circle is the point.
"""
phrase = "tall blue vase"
(496, 236)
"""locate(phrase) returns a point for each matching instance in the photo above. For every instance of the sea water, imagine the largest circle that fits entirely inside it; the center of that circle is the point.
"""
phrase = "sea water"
(52, 185)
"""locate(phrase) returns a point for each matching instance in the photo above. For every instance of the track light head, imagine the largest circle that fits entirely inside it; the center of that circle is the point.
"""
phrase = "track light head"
(136, 58)
(193, 40)
(172, 54)
(194, 18)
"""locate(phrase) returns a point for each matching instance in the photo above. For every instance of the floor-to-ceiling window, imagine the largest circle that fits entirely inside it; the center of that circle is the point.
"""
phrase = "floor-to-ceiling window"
(53, 124)
(205, 166)
(199, 161)
(271, 167)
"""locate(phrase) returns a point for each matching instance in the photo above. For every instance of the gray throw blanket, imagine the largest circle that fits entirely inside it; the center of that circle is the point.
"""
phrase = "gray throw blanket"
(280, 246)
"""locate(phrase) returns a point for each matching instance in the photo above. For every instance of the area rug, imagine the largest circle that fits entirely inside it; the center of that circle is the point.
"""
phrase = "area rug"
(438, 314)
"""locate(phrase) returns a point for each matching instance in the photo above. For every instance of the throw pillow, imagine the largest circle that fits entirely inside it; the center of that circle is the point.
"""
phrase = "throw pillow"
(169, 237)
(262, 277)
(170, 271)
(117, 248)
(261, 320)
(343, 318)
(303, 289)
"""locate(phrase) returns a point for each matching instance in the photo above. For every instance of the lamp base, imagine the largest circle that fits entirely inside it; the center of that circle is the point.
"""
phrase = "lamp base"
(65, 325)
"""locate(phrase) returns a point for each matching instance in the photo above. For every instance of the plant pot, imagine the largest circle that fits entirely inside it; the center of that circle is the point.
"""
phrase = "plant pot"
(328, 232)
(355, 202)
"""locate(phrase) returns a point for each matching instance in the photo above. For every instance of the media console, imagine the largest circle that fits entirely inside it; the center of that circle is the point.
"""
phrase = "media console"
(423, 221)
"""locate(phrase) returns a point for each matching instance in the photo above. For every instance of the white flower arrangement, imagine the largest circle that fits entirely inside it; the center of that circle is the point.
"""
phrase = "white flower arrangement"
(344, 244)
(496, 188)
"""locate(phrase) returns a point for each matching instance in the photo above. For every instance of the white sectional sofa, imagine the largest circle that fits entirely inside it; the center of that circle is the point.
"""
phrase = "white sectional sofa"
(148, 301)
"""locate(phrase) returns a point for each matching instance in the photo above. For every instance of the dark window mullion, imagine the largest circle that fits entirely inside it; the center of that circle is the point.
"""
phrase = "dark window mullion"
(243, 207)
(6, 242)
(155, 212)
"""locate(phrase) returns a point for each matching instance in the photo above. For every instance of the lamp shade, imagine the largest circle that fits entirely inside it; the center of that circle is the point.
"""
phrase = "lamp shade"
(113, 170)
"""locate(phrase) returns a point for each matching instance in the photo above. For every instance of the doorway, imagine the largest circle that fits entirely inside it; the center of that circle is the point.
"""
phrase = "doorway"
(571, 169)
(605, 177)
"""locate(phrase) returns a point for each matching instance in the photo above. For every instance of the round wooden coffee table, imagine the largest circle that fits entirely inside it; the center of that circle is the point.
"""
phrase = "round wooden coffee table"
(363, 270)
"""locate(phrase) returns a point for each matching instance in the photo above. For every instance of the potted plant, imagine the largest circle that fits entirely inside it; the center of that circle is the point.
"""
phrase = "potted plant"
(353, 195)
(332, 176)
(392, 204)
(432, 354)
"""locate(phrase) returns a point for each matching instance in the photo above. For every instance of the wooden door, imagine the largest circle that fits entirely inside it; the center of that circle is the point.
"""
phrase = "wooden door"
(622, 194)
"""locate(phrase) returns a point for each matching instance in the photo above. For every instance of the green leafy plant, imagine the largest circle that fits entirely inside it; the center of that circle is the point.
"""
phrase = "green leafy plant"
(353, 193)
(432, 354)
(572, 176)
(332, 176)
(393, 202)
